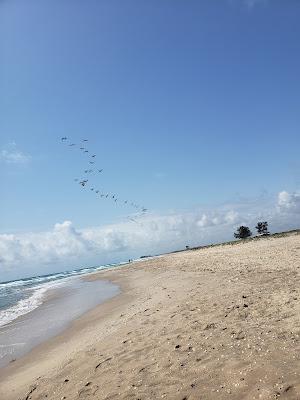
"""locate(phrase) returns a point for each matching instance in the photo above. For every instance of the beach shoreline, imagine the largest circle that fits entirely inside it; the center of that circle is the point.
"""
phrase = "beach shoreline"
(61, 304)
(55, 347)
(204, 323)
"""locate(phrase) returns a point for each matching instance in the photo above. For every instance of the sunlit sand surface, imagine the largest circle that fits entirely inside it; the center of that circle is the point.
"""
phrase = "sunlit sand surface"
(214, 323)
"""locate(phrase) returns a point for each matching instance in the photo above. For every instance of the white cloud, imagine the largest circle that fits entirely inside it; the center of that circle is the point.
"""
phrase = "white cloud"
(11, 155)
(66, 246)
(217, 218)
(289, 202)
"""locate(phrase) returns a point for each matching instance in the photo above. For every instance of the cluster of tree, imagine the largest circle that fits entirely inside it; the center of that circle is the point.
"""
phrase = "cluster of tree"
(243, 231)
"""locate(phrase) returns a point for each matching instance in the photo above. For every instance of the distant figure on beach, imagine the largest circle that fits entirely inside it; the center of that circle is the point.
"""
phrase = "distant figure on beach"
(187, 247)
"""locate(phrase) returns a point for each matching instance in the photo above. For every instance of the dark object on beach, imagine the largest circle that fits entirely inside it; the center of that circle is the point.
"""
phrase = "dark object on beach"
(242, 232)
(145, 256)
(187, 247)
(262, 228)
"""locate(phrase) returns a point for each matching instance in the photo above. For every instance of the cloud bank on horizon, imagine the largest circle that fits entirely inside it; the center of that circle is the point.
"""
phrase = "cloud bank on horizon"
(67, 246)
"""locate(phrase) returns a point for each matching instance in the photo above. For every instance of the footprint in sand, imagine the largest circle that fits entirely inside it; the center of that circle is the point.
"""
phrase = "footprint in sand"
(88, 390)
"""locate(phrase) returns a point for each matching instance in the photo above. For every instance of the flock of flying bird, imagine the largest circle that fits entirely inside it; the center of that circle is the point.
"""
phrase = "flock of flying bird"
(92, 168)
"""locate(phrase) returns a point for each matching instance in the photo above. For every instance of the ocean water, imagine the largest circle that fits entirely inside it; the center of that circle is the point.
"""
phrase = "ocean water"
(35, 309)
(22, 296)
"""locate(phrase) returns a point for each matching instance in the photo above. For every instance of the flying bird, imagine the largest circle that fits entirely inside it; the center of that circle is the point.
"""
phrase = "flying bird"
(84, 182)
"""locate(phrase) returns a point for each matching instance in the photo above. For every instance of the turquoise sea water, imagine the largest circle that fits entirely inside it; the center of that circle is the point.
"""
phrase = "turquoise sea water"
(22, 296)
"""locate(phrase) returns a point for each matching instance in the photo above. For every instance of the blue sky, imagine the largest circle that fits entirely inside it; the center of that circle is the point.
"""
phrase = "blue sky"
(187, 105)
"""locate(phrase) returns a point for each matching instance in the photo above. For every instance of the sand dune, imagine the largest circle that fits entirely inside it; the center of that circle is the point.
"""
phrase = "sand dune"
(216, 323)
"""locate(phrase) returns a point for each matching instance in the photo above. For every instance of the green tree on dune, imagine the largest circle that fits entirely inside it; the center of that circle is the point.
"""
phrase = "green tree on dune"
(262, 228)
(242, 232)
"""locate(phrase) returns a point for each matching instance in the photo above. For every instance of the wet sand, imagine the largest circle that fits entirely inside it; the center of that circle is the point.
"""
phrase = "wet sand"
(62, 304)
(214, 323)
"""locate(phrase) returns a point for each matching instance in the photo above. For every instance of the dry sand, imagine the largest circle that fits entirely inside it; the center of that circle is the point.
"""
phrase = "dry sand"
(216, 323)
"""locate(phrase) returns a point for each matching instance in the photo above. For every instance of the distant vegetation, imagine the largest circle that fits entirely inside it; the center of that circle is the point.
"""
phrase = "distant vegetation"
(237, 242)
(242, 232)
(262, 228)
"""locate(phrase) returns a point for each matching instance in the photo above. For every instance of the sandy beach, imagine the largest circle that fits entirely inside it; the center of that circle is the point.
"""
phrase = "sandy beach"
(214, 323)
